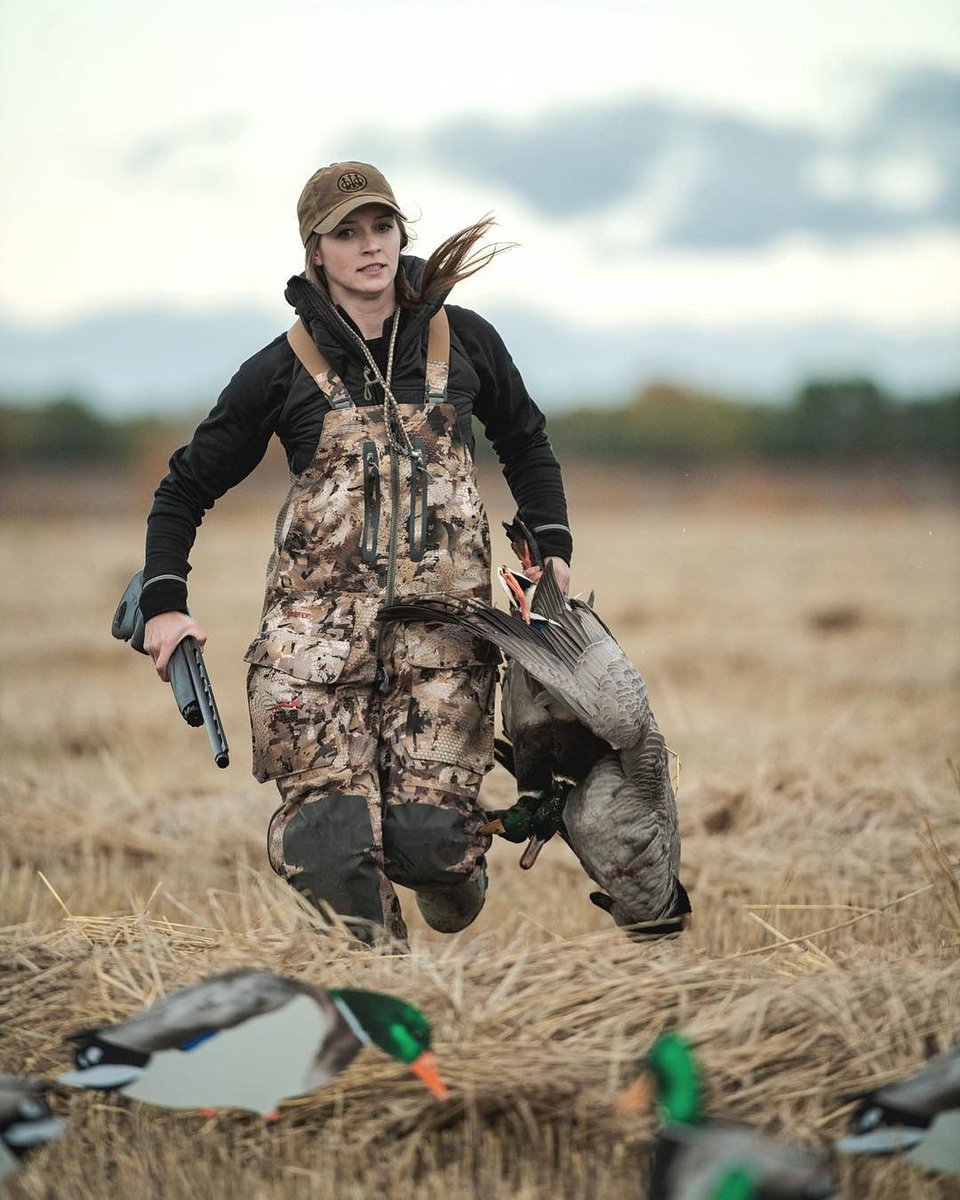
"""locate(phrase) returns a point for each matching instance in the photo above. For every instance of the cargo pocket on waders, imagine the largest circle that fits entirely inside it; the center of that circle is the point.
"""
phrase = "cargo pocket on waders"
(450, 712)
(301, 717)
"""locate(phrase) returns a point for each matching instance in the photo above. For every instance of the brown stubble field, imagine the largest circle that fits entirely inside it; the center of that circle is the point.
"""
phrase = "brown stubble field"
(800, 640)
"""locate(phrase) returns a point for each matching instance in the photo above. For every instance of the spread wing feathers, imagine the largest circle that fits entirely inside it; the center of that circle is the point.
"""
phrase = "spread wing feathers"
(573, 655)
(219, 1002)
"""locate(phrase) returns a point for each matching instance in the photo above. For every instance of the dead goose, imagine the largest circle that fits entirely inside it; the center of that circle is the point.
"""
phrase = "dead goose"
(248, 1039)
(574, 706)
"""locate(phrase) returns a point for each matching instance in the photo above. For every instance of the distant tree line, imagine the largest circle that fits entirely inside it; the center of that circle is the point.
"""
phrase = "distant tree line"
(850, 419)
(67, 430)
(847, 419)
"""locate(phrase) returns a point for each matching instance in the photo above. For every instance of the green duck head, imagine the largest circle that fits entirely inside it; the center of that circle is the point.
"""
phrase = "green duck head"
(672, 1079)
(398, 1028)
(518, 821)
(539, 815)
(677, 1077)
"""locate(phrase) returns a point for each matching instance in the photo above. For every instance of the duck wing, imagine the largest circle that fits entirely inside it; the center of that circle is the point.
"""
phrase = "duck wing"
(14, 1090)
(896, 1117)
(25, 1119)
(245, 1039)
(571, 653)
(546, 738)
(691, 1161)
(931, 1090)
(182, 1018)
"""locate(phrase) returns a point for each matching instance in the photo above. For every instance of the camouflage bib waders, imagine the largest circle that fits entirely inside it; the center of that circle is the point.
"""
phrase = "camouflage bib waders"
(378, 738)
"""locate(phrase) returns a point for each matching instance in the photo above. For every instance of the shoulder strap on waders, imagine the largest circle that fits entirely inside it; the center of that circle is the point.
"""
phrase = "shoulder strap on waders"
(327, 380)
(438, 359)
(317, 367)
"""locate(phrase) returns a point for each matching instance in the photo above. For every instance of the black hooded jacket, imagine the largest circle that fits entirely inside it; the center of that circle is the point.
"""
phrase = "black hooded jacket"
(271, 394)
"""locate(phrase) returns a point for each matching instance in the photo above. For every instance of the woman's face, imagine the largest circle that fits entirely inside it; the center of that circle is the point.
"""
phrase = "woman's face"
(361, 255)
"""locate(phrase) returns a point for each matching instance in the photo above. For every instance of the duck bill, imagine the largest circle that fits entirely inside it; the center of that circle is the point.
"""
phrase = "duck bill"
(425, 1069)
(637, 1097)
(492, 827)
(529, 856)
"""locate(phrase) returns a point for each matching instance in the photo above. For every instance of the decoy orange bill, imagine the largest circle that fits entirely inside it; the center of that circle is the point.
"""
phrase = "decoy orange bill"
(425, 1069)
(636, 1097)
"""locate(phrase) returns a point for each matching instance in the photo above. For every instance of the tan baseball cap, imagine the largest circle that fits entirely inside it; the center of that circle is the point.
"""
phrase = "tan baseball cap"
(334, 191)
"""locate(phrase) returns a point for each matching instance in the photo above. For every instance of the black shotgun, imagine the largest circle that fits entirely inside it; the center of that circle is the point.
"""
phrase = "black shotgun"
(185, 670)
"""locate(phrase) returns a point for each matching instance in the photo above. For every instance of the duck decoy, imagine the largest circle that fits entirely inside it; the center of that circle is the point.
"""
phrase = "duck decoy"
(25, 1120)
(589, 760)
(248, 1039)
(919, 1114)
(703, 1158)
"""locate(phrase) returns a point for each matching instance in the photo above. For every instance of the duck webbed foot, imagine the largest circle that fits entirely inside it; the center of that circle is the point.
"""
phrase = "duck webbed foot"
(534, 819)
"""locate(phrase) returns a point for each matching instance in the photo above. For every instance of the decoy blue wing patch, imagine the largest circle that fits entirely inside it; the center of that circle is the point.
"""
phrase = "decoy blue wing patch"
(192, 1043)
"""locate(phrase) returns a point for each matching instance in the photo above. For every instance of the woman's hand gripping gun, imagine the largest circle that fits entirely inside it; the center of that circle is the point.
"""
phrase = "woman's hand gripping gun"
(185, 670)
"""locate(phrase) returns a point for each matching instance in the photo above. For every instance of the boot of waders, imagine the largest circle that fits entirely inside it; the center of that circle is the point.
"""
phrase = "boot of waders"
(454, 907)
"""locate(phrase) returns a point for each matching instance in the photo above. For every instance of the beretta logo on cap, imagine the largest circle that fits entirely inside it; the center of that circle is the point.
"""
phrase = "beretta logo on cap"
(352, 181)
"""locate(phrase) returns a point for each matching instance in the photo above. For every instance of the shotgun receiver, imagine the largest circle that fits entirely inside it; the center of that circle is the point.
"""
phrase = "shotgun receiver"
(185, 670)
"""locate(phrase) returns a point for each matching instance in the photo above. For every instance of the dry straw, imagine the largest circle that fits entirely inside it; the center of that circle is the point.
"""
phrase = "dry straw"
(535, 1034)
(820, 846)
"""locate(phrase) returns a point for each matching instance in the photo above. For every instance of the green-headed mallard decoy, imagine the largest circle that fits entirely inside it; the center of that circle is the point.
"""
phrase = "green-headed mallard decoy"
(919, 1114)
(701, 1158)
(576, 709)
(248, 1039)
(25, 1120)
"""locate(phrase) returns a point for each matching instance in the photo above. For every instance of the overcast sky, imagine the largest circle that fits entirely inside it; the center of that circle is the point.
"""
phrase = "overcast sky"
(704, 162)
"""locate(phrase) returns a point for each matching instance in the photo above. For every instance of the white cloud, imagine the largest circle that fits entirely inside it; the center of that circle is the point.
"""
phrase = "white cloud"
(905, 182)
(82, 87)
(907, 284)
(835, 177)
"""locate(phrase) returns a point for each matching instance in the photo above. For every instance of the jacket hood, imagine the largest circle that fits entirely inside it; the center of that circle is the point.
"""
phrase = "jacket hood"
(325, 320)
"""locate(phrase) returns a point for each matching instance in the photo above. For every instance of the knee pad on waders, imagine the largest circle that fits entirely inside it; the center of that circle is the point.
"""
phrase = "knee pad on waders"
(328, 856)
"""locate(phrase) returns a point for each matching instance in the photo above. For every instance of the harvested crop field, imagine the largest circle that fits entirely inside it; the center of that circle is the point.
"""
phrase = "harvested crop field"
(799, 636)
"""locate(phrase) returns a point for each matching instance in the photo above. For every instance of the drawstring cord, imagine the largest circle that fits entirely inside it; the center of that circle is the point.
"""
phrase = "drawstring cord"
(397, 434)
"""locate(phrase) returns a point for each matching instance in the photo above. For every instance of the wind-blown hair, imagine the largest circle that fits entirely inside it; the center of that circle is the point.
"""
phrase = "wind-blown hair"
(455, 259)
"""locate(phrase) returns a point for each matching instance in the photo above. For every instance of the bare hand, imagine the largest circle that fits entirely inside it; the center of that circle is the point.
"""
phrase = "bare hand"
(163, 633)
(561, 573)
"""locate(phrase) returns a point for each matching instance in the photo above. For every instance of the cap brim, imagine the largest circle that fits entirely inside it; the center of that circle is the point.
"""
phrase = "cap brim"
(333, 219)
